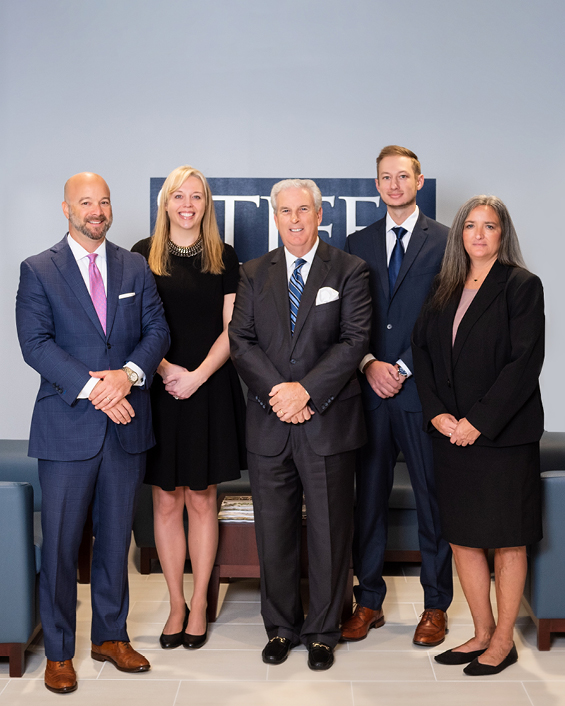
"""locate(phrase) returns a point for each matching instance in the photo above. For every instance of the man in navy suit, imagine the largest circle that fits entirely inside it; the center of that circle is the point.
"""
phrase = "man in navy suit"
(91, 322)
(404, 251)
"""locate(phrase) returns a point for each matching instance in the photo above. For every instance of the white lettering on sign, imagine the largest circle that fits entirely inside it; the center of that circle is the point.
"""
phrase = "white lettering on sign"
(351, 210)
(230, 202)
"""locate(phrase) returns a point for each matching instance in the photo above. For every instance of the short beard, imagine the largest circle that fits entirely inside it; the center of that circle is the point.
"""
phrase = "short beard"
(83, 227)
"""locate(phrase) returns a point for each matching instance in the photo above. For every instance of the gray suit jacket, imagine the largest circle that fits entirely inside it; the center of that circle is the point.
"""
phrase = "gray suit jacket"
(328, 344)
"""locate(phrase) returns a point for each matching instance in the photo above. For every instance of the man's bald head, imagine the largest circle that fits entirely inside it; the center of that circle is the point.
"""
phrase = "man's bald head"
(88, 209)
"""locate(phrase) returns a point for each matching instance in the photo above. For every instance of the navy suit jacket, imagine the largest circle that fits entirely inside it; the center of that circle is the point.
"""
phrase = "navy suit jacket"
(329, 341)
(61, 337)
(394, 317)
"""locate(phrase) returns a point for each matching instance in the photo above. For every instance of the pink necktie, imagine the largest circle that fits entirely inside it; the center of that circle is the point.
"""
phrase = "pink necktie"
(97, 289)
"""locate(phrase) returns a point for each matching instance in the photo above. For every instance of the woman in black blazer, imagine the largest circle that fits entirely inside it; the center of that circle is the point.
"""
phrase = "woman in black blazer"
(478, 351)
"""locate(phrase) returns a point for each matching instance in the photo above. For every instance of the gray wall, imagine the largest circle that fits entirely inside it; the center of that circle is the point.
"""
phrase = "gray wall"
(256, 88)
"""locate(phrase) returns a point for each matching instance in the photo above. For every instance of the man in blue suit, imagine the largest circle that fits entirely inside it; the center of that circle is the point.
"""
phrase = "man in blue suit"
(91, 323)
(404, 251)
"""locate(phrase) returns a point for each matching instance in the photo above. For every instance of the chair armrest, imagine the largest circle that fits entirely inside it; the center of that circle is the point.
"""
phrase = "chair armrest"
(17, 562)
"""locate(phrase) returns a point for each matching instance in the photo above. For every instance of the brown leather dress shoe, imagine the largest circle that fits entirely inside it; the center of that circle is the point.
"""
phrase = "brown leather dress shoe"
(121, 655)
(60, 677)
(432, 628)
(362, 620)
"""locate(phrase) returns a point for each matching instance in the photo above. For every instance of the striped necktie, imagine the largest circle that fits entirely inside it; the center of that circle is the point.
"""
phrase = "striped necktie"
(295, 289)
(97, 293)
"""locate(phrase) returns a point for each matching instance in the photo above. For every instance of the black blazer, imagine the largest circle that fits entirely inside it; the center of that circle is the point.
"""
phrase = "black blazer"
(394, 317)
(490, 375)
(329, 342)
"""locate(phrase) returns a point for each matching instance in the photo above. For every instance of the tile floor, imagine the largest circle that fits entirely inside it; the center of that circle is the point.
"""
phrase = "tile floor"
(383, 670)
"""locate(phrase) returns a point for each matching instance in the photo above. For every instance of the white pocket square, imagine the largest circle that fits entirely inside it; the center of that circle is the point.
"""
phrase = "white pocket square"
(325, 295)
(125, 296)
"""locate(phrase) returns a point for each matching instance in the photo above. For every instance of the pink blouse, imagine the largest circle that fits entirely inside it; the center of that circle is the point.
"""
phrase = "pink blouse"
(467, 296)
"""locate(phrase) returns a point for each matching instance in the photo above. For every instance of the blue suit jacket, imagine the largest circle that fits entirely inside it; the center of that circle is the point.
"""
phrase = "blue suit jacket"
(61, 337)
(394, 317)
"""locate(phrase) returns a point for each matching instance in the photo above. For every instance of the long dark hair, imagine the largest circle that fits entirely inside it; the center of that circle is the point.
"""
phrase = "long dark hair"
(456, 263)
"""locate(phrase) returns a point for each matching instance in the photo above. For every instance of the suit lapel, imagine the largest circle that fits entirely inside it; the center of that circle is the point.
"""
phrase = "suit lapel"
(318, 272)
(114, 275)
(65, 262)
(278, 284)
(492, 286)
(417, 240)
(379, 244)
(445, 325)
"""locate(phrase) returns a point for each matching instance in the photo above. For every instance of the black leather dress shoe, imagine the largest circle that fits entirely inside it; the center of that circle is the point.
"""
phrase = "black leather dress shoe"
(193, 642)
(168, 642)
(276, 650)
(451, 657)
(320, 656)
(478, 669)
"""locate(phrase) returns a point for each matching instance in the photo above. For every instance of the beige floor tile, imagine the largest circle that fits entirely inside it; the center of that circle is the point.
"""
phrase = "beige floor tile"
(434, 694)
(197, 665)
(542, 693)
(226, 636)
(84, 665)
(239, 612)
(357, 666)
(260, 694)
(399, 638)
(93, 693)
(3, 684)
(243, 590)
(400, 613)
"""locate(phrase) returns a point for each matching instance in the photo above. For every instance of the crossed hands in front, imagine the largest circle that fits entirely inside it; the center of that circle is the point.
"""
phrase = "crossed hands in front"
(289, 401)
(109, 395)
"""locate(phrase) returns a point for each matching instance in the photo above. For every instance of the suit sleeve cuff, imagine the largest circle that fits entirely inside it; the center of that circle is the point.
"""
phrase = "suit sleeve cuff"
(139, 371)
(84, 394)
(367, 359)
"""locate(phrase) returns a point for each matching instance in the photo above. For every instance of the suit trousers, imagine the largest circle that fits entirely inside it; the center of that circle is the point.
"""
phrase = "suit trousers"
(277, 484)
(390, 429)
(110, 481)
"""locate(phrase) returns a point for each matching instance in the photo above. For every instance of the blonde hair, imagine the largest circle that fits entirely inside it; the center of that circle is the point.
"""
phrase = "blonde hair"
(212, 245)
(398, 151)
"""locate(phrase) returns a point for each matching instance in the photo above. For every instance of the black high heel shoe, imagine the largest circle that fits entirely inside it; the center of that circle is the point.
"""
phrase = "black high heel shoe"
(193, 642)
(168, 642)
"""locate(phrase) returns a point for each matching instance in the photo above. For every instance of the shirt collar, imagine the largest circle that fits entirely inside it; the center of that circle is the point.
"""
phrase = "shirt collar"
(79, 252)
(309, 257)
(409, 223)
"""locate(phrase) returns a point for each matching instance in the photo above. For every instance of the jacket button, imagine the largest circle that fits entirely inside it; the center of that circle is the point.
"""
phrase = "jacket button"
(389, 326)
(448, 383)
(108, 345)
(292, 361)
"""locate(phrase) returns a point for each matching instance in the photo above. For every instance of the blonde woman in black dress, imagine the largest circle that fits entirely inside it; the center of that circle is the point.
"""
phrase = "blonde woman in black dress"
(478, 351)
(197, 402)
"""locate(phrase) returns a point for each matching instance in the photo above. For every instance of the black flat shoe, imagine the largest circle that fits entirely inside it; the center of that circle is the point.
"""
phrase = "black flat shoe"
(320, 656)
(168, 642)
(477, 669)
(276, 650)
(451, 657)
(193, 642)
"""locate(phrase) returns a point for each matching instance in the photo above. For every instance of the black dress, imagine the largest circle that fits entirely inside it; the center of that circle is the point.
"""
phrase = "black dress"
(200, 440)
(489, 493)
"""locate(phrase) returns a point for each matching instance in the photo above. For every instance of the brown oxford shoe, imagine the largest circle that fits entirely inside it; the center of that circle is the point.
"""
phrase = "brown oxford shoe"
(362, 620)
(432, 628)
(60, 677)
(121, 655)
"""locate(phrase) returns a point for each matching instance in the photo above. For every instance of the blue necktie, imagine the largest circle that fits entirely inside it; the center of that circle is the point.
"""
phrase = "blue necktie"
(295, 289)
(396, 258)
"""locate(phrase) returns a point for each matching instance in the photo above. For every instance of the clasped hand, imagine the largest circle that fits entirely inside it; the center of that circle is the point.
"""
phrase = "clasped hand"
(384, 378)
(109, 395)
(289, 401)
(461, 433)
(180, 382)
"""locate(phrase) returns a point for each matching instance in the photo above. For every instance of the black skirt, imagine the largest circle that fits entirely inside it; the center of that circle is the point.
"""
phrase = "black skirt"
(488, 497)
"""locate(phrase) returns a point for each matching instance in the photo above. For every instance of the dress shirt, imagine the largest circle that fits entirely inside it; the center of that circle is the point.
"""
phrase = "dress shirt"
(291, 262)
(81, 257)
(391, 239)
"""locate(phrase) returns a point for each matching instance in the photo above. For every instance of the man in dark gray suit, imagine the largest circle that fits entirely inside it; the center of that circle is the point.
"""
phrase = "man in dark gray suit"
(404, 251)
(299, 330)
